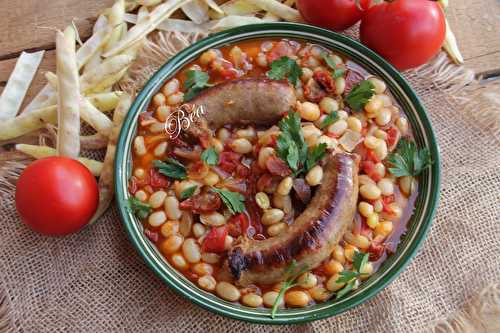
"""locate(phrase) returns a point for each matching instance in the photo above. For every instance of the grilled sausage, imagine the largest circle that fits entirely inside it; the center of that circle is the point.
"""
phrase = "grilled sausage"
(312, 236)
(253, 100)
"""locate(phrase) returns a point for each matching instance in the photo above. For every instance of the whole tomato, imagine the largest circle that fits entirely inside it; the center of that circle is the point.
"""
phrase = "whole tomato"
(56, 196)
(407, 33)
(335, 15)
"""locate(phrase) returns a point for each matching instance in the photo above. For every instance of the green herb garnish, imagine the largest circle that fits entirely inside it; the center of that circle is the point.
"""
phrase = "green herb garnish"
(360, 95)
(408, 160)
(315, 155)
(195, 82)
(350, 277)
(233, 200)
(330, 119)
(171, 168)
(291, 145)
(187, 193)
(210, 156)
(292, 148)
(138, 208)
(292, 273)
(336, 70)
(285, 68)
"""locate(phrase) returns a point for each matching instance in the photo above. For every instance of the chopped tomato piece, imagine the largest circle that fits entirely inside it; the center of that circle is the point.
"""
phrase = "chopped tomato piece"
(202, 203)
(214, 240)
(228, 161)
(238, 225)
(278, 167)
(376, 250)
(264, 182)
(151, 235)
(242, 171)
(157, 180)
(386, 201)
(370, 155)
(369, 168)
(392, 137)
(325, 80)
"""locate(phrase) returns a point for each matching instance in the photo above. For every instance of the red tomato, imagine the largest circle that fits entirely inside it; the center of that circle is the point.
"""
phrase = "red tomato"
(407, 33)
(56, 196)
(332, 14)
(369, 168)
(214, 241)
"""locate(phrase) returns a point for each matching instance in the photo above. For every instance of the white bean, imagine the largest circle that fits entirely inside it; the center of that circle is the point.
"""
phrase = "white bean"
(338, 128)
(264, 154)
(270, 297)
(141, 195)
(191, 250)
(315, 176)
(272, 216)
(171, 244)
(156, 199)
(207, 283)
(172, 209)
(297, 298)
(169, 228)
(241, 146)
(339, 85)
(139, 146)
(309, 111)
(210, 258)
(262, 200)
(175, 99)
(285, 186)
(386, 186)
(198, 230)
(227, 291)
(157, 218)
(214, 219)
(179, 261)
(202, 268)
(171, 87)
(252, 300)
(160, 149)
(329, 105)
(370, 192)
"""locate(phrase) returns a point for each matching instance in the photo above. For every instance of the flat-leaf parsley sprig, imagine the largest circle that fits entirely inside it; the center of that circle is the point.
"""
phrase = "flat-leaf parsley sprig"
(291, 274)
(407, 160)
(351, 277)
(283, 68)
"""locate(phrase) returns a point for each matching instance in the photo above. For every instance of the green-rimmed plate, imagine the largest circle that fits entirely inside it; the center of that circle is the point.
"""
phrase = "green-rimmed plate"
(420, 222)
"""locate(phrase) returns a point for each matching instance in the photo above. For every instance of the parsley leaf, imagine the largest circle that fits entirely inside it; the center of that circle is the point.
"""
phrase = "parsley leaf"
(408, 160)
(285, 67)
(138, 208)
(350, 277)
(337, 70)
(233, 200)
(342, 292)
(210, 156)
(316, 154)
(360, 260)
(360, 95)
(330, 119)
(195, 82)
(291, 145)
(171, 168)
(292, 273)
(188, 192)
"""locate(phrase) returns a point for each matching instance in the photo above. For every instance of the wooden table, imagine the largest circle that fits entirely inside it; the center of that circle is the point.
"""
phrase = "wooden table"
(30, 25)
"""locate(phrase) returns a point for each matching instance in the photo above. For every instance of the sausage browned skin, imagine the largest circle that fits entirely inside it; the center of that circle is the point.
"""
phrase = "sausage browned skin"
(312, 236)
(253, 100)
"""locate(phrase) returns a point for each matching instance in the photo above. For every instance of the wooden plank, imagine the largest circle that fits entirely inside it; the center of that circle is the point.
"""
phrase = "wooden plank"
(476, 24)
(48, 64)
(30, 24)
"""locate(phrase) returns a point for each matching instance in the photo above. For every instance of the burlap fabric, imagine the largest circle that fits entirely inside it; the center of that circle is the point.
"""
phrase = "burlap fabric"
(94, 281)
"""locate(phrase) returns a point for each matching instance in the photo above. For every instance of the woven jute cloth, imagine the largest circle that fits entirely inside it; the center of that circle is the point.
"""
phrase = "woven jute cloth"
(95, 281)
